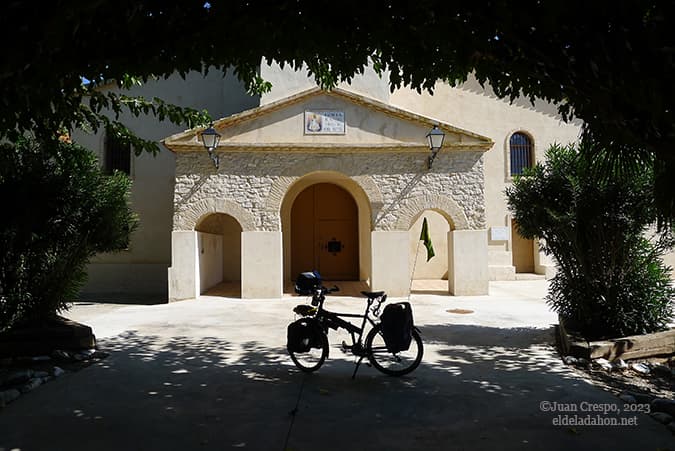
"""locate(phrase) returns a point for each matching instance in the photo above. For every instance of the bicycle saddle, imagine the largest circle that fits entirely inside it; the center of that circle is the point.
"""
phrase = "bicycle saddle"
(304, 310)
(372, 294)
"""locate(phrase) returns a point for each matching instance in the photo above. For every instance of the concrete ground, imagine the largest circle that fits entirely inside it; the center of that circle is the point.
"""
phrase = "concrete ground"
(213, 374)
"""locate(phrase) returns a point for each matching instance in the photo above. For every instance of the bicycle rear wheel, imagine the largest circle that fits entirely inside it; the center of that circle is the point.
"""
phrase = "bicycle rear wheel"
(393, 364)
(313, 359)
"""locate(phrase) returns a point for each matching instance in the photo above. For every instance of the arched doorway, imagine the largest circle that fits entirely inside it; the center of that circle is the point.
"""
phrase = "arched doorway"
(429, 275)
(325, 232)
(219, 249)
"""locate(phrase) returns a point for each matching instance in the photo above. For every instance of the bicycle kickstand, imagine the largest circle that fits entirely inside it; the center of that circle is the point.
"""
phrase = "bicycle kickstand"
(357, 367)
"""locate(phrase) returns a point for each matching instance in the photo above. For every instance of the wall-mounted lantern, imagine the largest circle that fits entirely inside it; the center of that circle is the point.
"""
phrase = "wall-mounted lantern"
(435, 138)
(210, 139)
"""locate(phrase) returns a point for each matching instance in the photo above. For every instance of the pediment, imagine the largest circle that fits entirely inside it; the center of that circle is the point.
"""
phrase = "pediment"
(336, 120)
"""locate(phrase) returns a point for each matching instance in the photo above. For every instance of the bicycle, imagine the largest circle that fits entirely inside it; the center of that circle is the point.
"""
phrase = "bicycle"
(374, 348)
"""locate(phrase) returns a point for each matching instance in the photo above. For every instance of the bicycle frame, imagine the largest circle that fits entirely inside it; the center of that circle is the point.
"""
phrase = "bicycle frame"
(334, 320)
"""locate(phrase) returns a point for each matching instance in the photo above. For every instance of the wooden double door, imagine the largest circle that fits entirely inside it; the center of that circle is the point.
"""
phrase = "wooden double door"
(325, 233)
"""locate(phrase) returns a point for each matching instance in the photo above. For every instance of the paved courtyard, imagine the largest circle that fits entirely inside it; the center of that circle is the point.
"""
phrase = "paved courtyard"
(213, 374)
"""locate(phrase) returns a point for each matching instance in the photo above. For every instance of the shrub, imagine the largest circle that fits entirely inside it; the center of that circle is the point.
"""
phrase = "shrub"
(58, 211)
(611, 281)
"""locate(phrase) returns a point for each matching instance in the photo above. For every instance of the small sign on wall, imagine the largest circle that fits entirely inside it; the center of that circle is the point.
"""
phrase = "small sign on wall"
(324, 122)
(499, 233)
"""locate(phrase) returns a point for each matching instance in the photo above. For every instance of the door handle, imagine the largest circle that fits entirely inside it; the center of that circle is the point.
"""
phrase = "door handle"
(334, 246)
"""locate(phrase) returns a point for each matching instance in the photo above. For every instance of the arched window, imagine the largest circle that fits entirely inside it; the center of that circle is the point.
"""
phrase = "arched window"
(117, 155)
(520, 148)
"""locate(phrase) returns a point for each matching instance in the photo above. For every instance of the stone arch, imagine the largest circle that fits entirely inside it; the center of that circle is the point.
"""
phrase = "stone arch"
(442, 204)
(363, 202)
(219, 262)
(371, 189)
(281, 186)
(189, 216)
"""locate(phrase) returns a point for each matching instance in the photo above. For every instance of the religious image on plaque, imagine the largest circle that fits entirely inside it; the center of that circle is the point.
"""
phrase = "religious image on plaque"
(324, 122)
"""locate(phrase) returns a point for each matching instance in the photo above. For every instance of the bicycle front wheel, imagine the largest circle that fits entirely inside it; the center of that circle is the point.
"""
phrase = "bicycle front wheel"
(393, 364)
(313, 359)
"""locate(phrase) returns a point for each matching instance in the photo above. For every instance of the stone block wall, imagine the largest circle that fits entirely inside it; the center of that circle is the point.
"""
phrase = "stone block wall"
(251, 186)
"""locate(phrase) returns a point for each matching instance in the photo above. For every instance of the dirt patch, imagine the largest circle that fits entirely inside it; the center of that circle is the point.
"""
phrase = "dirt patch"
(659, 382)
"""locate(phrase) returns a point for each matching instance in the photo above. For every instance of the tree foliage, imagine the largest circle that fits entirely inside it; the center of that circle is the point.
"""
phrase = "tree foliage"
(607, 63)
(611, 281)
(61, 211)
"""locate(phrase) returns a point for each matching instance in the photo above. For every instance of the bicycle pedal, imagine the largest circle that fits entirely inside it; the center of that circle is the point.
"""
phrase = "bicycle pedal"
(345, 347)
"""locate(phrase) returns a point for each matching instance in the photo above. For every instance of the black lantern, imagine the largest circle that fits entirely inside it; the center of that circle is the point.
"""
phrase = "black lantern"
(435, 138)
(211, 138)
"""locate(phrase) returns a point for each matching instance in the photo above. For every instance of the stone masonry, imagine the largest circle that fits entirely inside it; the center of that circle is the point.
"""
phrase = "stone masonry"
(250, 186)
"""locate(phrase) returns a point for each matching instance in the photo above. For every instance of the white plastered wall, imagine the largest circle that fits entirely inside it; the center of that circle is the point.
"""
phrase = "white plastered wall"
(142, 269)
(183, 273)
(669, 260)
(229, 230)
(287, 82)
(391, 273)
(468, 263)
(261, 269)
(437, 267)
(210, 248)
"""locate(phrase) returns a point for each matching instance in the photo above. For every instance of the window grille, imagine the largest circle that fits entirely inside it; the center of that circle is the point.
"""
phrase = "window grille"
(117, 156)
(520, 146)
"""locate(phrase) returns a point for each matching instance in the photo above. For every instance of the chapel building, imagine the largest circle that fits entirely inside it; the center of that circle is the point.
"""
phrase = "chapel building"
(338, 181)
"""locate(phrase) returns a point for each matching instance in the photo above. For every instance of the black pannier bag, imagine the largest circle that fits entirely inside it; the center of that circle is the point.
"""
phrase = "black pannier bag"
(397, 325)
(307, 283)
(303, 335)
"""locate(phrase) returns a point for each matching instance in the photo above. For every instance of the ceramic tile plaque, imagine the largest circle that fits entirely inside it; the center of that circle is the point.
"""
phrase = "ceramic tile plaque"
(324, 122)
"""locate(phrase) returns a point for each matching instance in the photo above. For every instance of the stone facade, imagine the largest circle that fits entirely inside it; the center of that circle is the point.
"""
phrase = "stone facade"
(380, 159)
(251, 186)
(267, 160)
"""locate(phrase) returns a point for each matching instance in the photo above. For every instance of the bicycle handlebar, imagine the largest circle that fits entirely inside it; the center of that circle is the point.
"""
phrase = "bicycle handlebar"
(324, 290)
(319, 295)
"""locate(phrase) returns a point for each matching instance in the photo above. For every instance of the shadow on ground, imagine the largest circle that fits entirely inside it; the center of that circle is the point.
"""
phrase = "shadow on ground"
(478, 388)
(122, 298)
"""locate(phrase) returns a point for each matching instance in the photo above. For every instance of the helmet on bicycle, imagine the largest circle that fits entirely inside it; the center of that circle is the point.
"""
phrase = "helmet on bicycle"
(307, 283)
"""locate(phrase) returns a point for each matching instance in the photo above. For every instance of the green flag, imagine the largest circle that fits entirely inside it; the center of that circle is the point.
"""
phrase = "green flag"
(424, 236)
